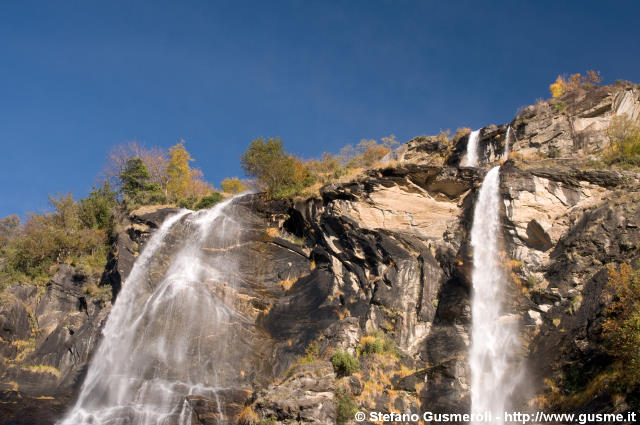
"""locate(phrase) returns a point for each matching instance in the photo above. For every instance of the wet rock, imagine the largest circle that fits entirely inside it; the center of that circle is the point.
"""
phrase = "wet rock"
(225, 408)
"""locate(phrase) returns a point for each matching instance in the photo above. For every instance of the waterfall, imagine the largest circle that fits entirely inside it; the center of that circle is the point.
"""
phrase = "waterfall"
(166, 335)
(494, 334)
(505, 155)
(472, 149)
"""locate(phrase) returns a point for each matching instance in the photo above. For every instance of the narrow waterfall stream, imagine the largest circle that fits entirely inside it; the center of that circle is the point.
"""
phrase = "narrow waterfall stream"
(505, 155)
(166, 336)
(472, 149)
(494, 335)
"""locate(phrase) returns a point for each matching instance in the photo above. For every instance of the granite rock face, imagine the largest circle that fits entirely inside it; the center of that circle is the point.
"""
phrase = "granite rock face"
(384, 259)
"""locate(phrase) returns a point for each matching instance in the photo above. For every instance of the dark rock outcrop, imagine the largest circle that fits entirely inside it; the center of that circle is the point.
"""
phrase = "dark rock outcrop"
(384, 257)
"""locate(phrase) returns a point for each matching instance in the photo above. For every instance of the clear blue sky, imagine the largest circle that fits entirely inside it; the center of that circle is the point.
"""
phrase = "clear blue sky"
(78, 77)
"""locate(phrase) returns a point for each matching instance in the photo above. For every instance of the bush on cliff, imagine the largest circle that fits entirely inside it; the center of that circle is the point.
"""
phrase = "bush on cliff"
(344, 364)
(621, 329)
(564, 84)
(208, 201)
(345, 406)
(624, 138)
(96, 210)
(376, 343)
(73, 230)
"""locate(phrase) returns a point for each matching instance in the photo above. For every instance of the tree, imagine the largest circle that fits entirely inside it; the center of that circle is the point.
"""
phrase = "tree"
(96, 210)
(197, 186)
(389, 142)
(53, 237)
(154, 159)
(9, 229)
(557, 88)
(564, 84)
(136, 186)
(134, 178)
(367, 152)
(233, 185)
(282, 174)
(179, 171)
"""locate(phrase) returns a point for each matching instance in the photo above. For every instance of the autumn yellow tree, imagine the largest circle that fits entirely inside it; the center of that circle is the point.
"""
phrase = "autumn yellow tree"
(178, 171)
(557, 88)
(233, 185)
(564, 84)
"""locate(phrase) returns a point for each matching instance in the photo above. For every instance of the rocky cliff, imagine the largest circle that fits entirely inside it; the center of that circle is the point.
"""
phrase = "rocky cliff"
(380, 267)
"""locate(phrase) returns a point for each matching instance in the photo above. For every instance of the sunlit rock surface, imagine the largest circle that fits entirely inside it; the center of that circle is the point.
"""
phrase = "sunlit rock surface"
(389, 251)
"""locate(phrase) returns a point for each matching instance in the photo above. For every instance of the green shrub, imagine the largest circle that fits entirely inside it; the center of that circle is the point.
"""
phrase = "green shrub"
(194, 203)
(208, 201)
(376, 343)
(344, 364)
(96, 210)
(311, 353)
(371, 345)
(554, 152)
(559, 106)
(53, 237)
(189, 202)
(345, 407)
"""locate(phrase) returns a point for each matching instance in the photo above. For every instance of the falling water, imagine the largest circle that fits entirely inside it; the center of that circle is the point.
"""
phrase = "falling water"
(505, 155)
(165, 336)
(494, 334)
(472, 149)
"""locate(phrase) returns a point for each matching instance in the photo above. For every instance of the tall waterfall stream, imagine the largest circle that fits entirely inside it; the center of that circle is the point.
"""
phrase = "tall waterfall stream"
(165, 336)
(494, 334)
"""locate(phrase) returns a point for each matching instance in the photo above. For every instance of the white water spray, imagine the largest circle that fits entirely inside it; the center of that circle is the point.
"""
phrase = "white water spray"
(165, 335)
(494, 335)
(505, 155)
(472, 149)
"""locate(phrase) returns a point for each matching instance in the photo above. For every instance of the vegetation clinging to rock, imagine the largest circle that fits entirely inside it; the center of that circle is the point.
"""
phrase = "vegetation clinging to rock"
(621, 329)
(624, 138)
(344, 364)
(72, 230)
(564, 84)
(281, 174)
(345, 407)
